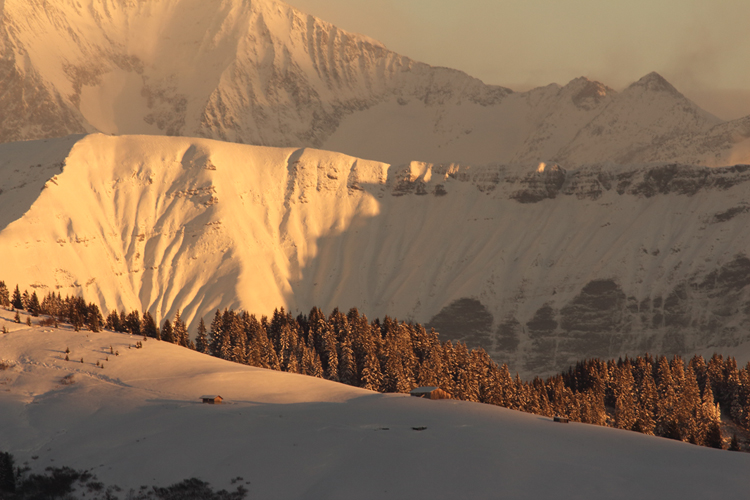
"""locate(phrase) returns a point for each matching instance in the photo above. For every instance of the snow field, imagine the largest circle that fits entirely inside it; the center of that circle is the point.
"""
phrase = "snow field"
(138, 421)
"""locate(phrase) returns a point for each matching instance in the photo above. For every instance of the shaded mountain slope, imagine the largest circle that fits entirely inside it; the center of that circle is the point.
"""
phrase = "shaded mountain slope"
(540, 266)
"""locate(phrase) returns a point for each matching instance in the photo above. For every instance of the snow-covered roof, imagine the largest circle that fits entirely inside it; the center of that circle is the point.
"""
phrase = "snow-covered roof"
(212, 396)
(422, 390)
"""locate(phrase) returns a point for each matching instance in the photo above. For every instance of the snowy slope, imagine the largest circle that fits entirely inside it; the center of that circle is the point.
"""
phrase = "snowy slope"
(264, 73)
(540, 266)
(138, 421)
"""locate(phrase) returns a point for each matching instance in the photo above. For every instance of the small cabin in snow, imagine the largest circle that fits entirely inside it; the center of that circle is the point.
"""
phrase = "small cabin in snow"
(212, 400)
(430, 393)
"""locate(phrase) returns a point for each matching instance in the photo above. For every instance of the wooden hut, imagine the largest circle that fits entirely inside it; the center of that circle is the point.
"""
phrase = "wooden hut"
(212, 399)
(430, 393)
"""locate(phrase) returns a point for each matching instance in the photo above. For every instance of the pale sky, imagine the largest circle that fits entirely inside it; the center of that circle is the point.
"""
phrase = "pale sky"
(701, 46)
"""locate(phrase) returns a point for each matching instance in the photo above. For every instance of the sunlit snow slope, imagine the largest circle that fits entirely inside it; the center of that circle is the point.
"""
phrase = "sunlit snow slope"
(540, 266)
(261, 72)
(138, 421)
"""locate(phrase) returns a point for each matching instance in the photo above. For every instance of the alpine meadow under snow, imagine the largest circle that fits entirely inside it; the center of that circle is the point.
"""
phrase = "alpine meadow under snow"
(138, 421)
(169, 156)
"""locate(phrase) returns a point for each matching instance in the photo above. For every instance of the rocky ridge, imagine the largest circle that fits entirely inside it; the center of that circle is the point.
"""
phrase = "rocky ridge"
(539, 264)
(265, 73)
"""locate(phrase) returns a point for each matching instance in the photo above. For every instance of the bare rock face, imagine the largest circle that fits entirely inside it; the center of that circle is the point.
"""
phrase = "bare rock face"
(30, 109)
(543, 184)
(468, 318)
(707, 308)
(702, 312)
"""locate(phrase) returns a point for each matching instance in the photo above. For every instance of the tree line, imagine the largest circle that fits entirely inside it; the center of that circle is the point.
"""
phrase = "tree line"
(657, 396)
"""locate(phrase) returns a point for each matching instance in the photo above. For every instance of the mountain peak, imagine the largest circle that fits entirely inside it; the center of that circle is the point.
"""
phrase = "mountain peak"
(656, 83)
(586, 93)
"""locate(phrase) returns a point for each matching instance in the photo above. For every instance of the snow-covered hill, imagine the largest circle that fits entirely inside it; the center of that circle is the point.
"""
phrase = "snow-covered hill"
(264, 73)
(138, 421)
(540, 266)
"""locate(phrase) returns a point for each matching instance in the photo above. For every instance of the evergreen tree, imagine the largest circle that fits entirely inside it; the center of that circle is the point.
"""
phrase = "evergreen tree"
(167, 333)
(113, 322)
(7, 474)
(278, 319)
(745, 395)
(201, 340)
(467, 383)
(133, 323)
(626, 412)
(251, 325)
(347, 365)
(371, 378)
(306, 364)
(227, 332)
(257, 342)
(447, 381)
(235, 331)
(17, 300)
(34, 306)
(710, 419)
(268, 356)
(317, 366)
(284, 345)
(216, 336)
(94, 318)
(688, 408)
(317, 324)
(429, 371)
(4, 295)
(733, 391)
(180, 331)
(666, 424)
(715, 375)
(329, 355)
(698, 364)
(148, 326)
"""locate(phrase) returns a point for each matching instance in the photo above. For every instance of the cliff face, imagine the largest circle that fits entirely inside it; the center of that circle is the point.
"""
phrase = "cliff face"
(264, 73)
(540, 265)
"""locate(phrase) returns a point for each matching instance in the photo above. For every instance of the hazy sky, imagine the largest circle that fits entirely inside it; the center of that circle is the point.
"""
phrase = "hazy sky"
(701, 46)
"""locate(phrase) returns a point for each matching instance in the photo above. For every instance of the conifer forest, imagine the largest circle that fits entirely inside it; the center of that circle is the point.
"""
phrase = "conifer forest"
(652, 395)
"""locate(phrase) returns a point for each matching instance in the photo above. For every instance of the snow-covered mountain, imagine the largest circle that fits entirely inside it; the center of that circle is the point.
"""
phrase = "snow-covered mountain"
(264, 73)
(139, 421)
(539, 265)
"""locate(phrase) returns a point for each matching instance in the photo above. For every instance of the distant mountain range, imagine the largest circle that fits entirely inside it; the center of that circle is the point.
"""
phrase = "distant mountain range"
(264, 73)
